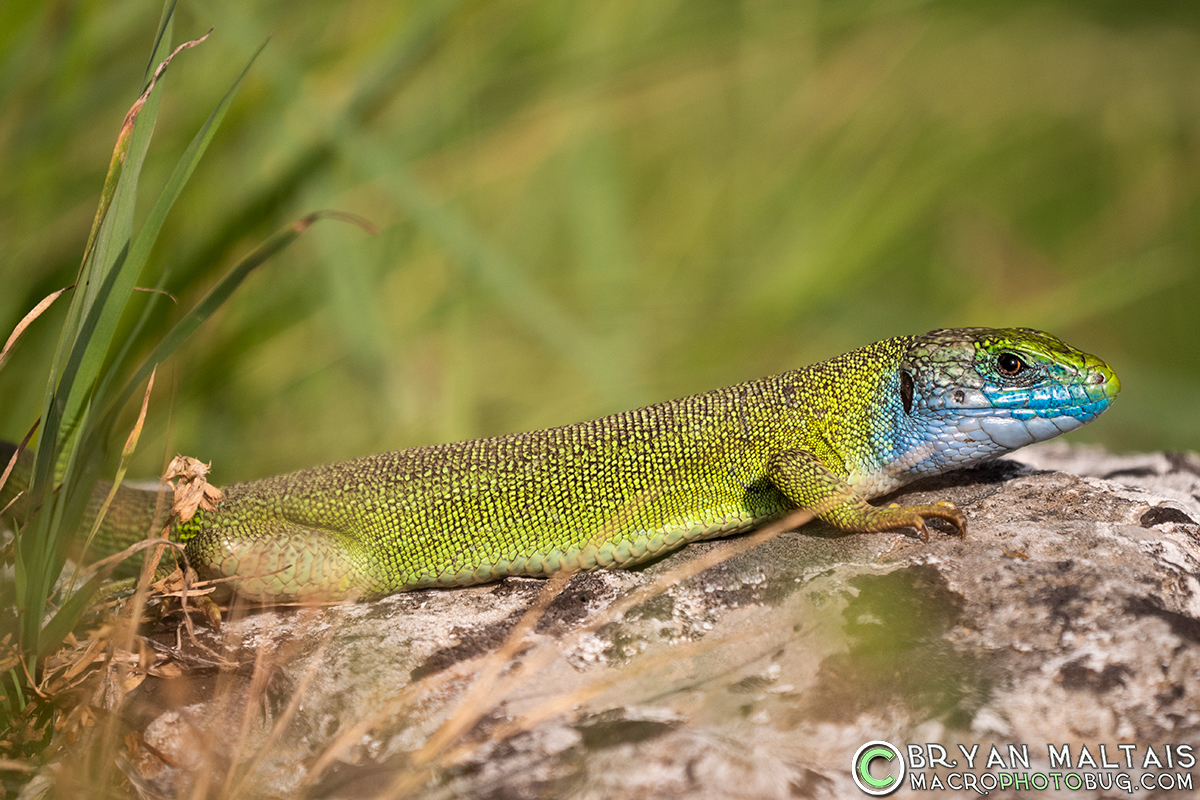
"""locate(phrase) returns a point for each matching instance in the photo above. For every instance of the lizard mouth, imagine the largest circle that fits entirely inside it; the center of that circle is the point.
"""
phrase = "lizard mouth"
(1012, 428)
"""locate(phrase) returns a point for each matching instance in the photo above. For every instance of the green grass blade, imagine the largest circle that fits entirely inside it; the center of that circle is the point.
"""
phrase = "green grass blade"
(152, 226)
(109, 281)
(162, 39)
(121, 360)
(52, 525)
(184, 168)
(65, 618)
(129, 270)
(127, 265)
(42, 541)
(114, 215)
(59, 404)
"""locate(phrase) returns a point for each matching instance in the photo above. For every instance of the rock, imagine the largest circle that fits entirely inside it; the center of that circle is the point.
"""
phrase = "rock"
(1071, 614)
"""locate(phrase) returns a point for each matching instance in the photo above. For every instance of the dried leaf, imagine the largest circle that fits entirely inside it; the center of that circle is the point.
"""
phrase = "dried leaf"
(91, 655)
(169, 584)
(187, 468)
(171, 669)
(132, 680)
(187, 477)
(192, 592)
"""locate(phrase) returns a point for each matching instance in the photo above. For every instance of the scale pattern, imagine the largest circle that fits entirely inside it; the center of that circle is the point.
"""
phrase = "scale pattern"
(619, 490)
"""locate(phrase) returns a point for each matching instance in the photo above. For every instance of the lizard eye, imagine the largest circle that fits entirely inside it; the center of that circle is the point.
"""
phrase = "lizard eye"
(1009, 364)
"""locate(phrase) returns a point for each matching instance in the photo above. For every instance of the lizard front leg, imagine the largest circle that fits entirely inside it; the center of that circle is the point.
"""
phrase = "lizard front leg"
(806, 481)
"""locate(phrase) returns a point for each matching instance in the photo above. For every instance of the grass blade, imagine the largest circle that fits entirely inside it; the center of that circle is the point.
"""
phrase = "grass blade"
(60, 403)
(184, 168)
(54, 516)
(27, 320)
(112, 280)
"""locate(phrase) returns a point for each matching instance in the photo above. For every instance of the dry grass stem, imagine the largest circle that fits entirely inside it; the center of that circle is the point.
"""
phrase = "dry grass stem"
(489, 690)
(26, 321)
(421, 688)
(126, 452)
(285, 719)
(474, 702)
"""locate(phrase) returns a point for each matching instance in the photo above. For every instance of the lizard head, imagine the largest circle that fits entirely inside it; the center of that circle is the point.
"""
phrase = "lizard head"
(1002, 388)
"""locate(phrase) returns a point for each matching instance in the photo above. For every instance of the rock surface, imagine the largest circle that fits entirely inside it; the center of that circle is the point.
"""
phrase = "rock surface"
(1071, 614)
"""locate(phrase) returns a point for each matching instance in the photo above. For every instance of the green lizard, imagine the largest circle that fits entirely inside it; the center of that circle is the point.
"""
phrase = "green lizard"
(620, 490)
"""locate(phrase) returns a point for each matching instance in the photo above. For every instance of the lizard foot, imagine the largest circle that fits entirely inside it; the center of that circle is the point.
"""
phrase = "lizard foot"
(896, 516)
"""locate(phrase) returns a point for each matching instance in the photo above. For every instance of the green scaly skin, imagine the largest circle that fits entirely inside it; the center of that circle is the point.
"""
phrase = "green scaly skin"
(620, 490)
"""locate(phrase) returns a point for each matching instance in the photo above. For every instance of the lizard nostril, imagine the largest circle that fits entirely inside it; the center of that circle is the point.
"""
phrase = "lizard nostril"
(1098, 377)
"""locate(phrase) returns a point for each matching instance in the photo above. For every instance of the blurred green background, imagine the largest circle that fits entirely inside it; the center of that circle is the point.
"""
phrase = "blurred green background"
(588, 206)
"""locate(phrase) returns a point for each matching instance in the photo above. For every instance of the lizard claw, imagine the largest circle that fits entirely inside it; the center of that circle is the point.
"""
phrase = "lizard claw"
(894, 516)
(951, 514)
